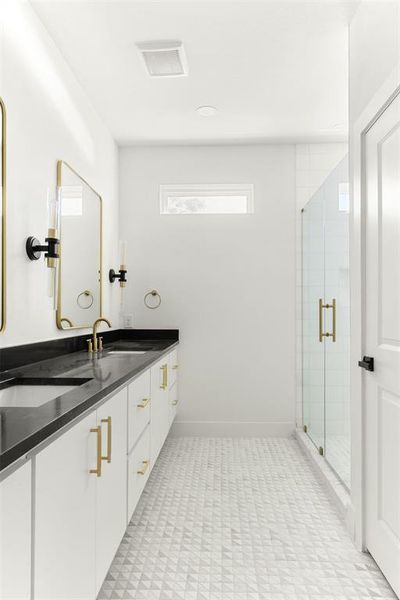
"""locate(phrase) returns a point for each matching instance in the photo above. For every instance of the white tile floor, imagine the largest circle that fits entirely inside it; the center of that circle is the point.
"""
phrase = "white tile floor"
(238, 519)
(338, 454)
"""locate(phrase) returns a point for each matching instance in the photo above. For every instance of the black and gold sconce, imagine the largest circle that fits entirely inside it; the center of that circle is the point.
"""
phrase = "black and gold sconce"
(121, 274)
(34, 248)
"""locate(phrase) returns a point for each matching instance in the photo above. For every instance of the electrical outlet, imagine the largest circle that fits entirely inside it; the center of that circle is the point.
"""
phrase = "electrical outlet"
(128, 321)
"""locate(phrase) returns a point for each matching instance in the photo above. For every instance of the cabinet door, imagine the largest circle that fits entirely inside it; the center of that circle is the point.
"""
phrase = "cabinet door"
(138, 407)
(15, 535)
(138, 470)
(65, 515)
(159, 407)
(111, 486)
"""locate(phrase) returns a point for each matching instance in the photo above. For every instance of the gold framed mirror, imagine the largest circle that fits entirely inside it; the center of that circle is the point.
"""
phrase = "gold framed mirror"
(79, 286)
(3, 218)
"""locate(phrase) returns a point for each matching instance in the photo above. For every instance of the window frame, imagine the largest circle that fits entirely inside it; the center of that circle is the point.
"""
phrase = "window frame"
(205, 190)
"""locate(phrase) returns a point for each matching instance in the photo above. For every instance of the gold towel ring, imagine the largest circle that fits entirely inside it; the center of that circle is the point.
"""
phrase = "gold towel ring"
(86, 294)
(153, 294)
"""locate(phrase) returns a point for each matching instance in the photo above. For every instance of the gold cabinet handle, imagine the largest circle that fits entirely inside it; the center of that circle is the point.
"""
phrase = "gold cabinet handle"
(97, 431)
(143, 403)
(109, 439)
(326, 334)
(146, 464)
(175, 367)
(164, 384)
(175, 402)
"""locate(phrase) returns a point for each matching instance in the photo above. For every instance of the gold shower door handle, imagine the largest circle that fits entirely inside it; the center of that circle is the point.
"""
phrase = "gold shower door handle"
(109, 439)
(323, 334)
(333, 307)
(97, 470)
(320, 317)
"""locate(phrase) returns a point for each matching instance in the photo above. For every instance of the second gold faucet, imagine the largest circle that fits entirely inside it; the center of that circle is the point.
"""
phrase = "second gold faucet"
(96, 344)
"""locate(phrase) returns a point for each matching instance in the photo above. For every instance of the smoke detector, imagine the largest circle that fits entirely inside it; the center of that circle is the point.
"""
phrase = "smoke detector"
(164, 58)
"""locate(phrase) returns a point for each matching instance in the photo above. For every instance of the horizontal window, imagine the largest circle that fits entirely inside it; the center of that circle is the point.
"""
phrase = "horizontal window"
(206, 199)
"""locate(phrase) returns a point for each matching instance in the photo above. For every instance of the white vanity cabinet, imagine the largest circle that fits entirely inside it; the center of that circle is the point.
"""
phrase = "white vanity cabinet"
(77, 493)
(15, 535)
(80, 516)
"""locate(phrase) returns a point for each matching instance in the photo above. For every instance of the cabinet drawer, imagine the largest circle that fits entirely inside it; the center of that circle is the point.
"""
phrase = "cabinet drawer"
(138, 470)
(138, 407)
(173, 367)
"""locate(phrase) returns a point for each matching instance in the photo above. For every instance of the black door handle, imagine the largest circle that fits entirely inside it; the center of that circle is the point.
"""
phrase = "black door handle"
(367, 363)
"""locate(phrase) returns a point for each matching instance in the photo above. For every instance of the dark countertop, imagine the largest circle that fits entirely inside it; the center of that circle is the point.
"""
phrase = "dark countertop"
(21, 429)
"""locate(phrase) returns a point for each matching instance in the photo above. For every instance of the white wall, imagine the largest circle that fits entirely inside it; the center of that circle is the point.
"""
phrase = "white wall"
(227, 282)
(48, 118)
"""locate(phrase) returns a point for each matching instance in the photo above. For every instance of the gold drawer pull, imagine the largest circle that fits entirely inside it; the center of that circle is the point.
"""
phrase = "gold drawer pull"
(97, 431)
(109, 441)
(175, 402)
(146, 464)
(175, 367)
(143, 403)
(164, 384)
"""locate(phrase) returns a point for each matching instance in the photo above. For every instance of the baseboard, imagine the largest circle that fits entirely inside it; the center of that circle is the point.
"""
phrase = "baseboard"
(232, 429)
(336, 489)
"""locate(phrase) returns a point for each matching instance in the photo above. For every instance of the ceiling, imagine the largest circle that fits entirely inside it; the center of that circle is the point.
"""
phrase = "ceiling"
(275, 70)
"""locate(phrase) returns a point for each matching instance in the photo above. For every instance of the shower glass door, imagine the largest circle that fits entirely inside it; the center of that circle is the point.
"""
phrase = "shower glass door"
(326, 321)
(313, 290)
(337, 354)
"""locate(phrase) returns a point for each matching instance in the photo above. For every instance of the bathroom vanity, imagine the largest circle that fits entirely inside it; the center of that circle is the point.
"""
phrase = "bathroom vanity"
(76, 451)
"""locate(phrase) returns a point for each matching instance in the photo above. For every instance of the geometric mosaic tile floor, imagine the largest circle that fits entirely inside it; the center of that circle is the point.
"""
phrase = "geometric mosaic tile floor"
(238, 519)
(338, 454)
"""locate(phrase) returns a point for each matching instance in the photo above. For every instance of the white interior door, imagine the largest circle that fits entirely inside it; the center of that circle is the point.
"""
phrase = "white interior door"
(382, 342)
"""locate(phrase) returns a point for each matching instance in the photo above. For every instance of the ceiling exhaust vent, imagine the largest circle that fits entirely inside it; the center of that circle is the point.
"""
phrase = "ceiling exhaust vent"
(164, 58)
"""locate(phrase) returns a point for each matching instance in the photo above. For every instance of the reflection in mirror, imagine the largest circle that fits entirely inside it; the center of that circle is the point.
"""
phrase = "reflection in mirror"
(3, 217)
(79, 298)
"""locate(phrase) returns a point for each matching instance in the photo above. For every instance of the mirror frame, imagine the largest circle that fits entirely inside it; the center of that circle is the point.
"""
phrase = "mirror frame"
(59, 317)
(3, 219)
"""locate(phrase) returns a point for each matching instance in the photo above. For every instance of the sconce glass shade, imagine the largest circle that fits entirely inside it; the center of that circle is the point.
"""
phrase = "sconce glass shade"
(122, 253)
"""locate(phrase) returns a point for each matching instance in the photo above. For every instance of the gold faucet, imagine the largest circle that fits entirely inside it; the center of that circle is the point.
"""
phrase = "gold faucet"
(96, 347)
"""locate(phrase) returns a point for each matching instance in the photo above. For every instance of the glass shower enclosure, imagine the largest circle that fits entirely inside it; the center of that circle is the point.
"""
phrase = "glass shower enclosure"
(326, 320)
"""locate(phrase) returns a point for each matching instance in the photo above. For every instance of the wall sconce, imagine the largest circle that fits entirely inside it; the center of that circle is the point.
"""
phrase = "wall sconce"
(33, 246)
(121, 274)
